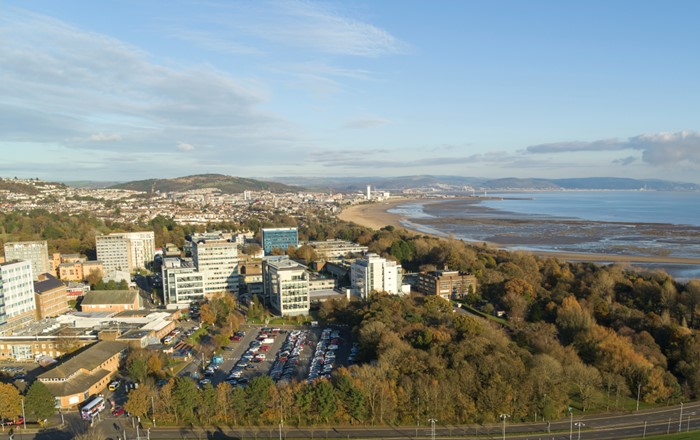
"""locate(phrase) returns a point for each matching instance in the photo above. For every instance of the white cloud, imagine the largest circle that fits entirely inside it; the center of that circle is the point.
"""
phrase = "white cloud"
(102, 137)
(369, 122)
(183, 146)
(316, 26)
(664, 148)
(61, 84)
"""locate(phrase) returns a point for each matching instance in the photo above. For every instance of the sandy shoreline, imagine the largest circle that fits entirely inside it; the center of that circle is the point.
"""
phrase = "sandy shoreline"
(375, 216)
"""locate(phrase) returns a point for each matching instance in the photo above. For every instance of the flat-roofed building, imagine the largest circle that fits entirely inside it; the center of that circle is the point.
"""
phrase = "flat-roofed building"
(125, 250)
(110, 301)
(50, 296)
(286, 286)
(17, 303)
(182, 283)
(335, 248)
(218, 261)
(446, 284)
(375, 274)
(86, 374)
(79, 270)
(279, 238)
(35, 251)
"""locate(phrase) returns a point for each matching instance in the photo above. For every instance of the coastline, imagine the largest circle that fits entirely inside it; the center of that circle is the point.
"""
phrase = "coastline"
(376, 216)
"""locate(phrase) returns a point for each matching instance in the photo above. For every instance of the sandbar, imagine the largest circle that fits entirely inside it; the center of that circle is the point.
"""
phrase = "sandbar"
(375, 215)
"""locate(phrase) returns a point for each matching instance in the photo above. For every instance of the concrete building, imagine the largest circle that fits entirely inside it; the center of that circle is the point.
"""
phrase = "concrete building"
(35, 251)
(250, 281)
(17, 304)
(50, 296)
(286, 286)
(110, 301)
(446, 284)
(85, 374)
(279, 238)
(218, 261)
(375, 274)
(330, 249)
(125, 250)
(79, 270)
(182, 283)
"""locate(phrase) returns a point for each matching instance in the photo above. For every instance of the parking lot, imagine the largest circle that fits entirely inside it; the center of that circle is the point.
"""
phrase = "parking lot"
(290, 352)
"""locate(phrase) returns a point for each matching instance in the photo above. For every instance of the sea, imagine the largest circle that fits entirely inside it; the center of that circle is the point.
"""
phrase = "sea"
(651, 223)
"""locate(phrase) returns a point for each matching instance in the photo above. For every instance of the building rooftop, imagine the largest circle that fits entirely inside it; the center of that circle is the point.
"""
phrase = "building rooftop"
(89, 360)
(47, 284)
(97, 297)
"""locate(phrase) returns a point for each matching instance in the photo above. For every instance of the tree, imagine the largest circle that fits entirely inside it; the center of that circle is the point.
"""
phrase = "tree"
(138, 370)
(186, 396)
(39, 403)
(325, 400)
(139, 401)
(10, 401)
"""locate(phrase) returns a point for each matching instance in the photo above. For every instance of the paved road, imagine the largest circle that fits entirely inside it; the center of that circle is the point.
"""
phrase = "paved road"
(630, 425)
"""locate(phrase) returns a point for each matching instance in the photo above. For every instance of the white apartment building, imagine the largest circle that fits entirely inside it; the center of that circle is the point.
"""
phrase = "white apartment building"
(35, 251)
(373, 273)
(286, 286)
(335, 248)
(217, 261)
(125, 250)
(182, 284)
(17, 304)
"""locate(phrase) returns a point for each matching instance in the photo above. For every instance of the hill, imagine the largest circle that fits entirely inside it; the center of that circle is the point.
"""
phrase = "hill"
(227, 184)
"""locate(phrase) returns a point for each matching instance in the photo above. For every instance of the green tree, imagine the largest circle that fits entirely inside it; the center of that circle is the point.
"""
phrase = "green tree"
(324, 394)
(138, 370)
(186, 396)
(39, 403)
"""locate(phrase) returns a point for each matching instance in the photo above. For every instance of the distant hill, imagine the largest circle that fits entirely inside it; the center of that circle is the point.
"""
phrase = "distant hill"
(590, 183)
(227, 184)
(28, 187)
(459, 183)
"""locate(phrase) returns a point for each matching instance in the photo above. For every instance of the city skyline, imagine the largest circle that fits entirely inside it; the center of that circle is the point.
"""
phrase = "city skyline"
(130, 90)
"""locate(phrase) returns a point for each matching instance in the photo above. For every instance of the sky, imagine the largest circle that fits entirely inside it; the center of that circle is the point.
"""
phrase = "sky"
(125, 90)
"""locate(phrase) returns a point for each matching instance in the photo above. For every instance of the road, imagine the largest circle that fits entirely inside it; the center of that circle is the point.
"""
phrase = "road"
(604, 427)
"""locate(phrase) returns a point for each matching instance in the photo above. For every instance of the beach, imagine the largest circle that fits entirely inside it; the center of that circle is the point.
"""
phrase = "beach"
(376, 216)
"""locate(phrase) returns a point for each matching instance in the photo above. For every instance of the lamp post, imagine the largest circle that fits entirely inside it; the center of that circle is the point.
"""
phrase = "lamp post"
(153, 411)
(432, 428)
(579, 425)
(680, 419)
(504, 417)
(571, 423)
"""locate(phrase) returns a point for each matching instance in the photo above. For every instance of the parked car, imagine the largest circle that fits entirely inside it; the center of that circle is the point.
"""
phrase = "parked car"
(118, 411)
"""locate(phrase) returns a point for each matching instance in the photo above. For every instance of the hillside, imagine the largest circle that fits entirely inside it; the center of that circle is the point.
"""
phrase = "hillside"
(227, 184)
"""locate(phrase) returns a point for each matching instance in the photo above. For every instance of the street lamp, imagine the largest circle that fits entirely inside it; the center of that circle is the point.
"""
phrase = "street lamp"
(504, 417)
(571, 423)
(579, 424)
(432, 428)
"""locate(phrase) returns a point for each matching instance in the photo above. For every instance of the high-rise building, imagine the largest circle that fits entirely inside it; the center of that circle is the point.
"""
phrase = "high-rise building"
(279, 238)
(126, 251)
(217, 260)
(375, 274)
(17, 303)
(50, 296)
(286, 286)
(35, 251)
(182, 283)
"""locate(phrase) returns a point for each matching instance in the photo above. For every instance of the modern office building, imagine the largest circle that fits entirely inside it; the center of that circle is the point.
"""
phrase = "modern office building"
(35, 251)
(217, 261)
(375, 274)
(286, 286)
(279, 238)
(125, 250)
(50, 296)
(446, 284)
(17, 304)
(182, 283)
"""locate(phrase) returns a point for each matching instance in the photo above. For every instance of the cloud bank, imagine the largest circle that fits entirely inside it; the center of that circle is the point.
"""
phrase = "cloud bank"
(657, 149)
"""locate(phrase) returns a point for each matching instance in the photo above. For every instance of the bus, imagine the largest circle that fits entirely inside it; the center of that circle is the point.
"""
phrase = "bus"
(93, 407)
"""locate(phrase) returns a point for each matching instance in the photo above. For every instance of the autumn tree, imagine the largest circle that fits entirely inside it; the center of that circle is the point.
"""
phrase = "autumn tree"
(10, 401)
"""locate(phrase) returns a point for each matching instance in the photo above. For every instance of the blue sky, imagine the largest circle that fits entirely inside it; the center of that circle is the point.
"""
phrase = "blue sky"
(126, 90)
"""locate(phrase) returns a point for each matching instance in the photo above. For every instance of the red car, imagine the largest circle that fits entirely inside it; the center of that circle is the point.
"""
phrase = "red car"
(265, 348)
(117, 412)
(235, 338)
